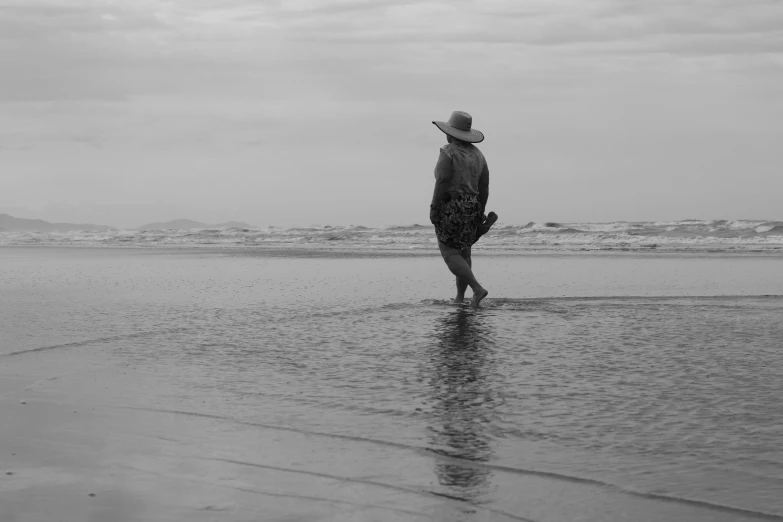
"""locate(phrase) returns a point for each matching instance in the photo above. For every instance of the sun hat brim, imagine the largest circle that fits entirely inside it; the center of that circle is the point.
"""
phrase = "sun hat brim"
(471, 136)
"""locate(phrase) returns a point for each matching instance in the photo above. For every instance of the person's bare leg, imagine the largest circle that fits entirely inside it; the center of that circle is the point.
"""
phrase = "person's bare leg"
(462, 284)
(476, 297)
(460, 268)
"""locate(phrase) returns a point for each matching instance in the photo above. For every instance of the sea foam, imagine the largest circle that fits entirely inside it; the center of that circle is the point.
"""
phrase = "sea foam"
(671, 236)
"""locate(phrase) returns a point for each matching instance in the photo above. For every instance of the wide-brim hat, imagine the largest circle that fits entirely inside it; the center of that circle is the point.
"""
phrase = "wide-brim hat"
(460, 126)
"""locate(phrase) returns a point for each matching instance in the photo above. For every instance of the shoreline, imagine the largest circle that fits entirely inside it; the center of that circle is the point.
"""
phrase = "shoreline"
(319, 250)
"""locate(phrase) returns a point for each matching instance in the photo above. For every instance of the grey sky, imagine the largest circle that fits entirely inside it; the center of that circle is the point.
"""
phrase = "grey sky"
(318, 111)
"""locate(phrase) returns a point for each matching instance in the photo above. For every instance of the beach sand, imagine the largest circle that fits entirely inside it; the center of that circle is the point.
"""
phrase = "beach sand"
(127, 392)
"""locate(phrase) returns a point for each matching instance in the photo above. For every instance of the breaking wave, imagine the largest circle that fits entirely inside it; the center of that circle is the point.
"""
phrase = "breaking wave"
(666, 236)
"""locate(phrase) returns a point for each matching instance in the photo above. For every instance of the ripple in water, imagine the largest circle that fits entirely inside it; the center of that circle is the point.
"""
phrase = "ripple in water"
(674, 398)
(671, 397)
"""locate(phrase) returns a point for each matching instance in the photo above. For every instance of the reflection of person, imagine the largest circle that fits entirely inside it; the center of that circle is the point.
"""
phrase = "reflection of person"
(459, 200)
(461, 401)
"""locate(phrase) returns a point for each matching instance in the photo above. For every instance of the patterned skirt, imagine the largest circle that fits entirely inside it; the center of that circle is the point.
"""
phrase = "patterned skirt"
(457, 219)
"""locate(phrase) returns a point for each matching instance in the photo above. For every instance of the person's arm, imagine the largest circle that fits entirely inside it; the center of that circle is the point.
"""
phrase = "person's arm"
(483, 187)
(443, 175)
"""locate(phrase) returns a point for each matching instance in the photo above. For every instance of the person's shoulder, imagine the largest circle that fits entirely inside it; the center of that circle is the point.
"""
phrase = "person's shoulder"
(475, 150)
(447, 149)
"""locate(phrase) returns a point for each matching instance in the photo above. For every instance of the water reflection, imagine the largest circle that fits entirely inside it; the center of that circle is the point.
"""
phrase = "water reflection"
(461, 399)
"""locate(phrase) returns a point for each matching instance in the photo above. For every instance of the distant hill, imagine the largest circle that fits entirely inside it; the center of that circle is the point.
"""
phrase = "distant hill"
(12, 224)
(184, 224)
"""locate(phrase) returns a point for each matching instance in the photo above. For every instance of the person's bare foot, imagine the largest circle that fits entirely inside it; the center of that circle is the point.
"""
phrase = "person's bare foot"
(478, 296)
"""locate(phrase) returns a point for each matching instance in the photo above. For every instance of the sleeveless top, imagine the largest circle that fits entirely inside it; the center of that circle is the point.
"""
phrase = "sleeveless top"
(467, 164)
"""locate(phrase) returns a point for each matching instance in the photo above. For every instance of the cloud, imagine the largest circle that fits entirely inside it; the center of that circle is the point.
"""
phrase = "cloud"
(63, 51)
(102, 50)
(594, 25)
(196, 68)
(15, 146)
(149, 73)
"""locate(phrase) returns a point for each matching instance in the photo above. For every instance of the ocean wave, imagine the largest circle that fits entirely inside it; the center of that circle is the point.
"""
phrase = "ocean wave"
(685, 235)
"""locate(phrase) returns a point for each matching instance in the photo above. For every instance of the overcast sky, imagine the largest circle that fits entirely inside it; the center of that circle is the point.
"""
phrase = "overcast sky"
(319, 111)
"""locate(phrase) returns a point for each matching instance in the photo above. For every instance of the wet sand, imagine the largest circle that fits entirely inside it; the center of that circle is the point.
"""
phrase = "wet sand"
(86, 435)
(91, 433)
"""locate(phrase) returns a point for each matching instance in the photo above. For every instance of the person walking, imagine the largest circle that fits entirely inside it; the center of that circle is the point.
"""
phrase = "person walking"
(459, 200)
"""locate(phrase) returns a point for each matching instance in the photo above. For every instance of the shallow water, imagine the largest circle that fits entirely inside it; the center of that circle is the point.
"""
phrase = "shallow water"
(657, 376)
